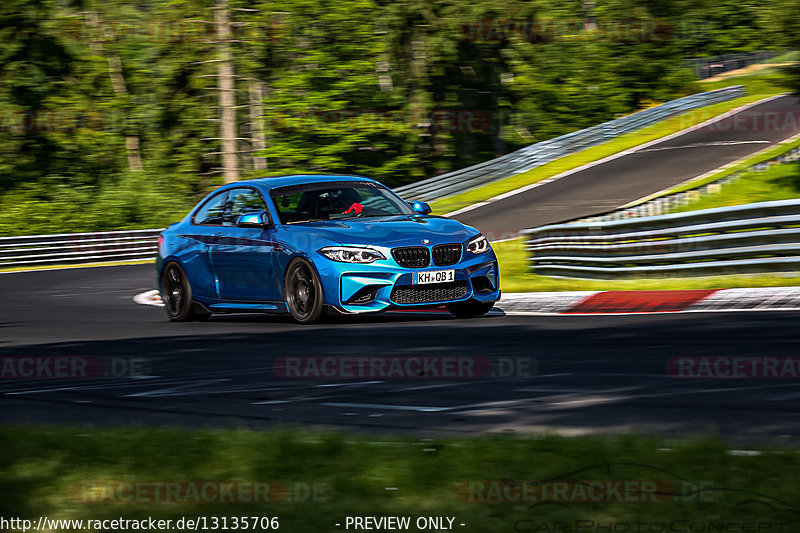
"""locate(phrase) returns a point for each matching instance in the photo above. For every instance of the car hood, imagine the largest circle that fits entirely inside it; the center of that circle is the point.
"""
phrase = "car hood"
(387, 231)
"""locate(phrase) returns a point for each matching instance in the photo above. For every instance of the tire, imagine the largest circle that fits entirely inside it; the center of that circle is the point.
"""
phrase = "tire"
(303, 292)
(176, 293)
(470, 309)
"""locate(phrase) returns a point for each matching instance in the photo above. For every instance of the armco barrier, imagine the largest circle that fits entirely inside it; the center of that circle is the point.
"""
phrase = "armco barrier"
(759, 237)
(42, 250)
(538, 154)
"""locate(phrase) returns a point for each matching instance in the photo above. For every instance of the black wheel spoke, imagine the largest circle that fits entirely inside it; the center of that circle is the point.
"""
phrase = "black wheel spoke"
(174, 290)
(301, 291)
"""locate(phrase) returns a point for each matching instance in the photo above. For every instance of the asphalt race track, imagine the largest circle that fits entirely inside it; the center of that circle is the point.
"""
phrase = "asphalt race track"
(643, 172)
(565, 374)
(590, 374)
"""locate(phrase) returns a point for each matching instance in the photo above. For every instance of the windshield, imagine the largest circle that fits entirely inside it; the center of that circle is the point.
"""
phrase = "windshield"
(336, 201)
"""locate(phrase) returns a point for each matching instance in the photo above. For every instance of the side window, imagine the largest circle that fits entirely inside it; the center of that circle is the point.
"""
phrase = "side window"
(211, 212)
(240, 202)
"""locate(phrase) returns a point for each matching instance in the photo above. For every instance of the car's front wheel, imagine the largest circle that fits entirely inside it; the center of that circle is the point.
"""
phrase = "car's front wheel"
(303, 292)
(176, 293)
(470, 309)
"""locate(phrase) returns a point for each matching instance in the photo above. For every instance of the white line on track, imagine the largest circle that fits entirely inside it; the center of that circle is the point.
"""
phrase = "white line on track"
(353, 384)
(683, 392)
(565, 403)
(702, 145)
(110, 384)
(790, 396)
(581, 391)
(611, 157)
(171, 391)
(377, 406)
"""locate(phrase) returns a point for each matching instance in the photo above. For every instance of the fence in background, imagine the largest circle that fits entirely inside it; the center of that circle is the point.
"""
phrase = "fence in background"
(538, 154)
(43, 250)
(760, 237)
(708, 67)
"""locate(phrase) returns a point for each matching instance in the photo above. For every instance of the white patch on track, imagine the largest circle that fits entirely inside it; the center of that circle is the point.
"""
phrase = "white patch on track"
(149, 298)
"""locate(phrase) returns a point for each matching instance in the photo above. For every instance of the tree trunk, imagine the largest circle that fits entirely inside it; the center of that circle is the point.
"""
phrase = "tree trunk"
(118, 83)
(227, 99)
(257, 123)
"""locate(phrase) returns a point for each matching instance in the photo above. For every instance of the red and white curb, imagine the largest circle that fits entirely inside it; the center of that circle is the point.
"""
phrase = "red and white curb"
(641, 302)
(766, 298)
(621, 302)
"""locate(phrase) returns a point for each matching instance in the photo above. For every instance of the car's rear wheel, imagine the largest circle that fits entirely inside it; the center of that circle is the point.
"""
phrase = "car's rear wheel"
(303, 292)
(470, 309)
(176, 293)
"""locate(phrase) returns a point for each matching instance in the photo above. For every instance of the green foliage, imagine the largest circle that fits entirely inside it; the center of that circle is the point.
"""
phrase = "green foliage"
(134, 200)
(399, 91)
(51, 471)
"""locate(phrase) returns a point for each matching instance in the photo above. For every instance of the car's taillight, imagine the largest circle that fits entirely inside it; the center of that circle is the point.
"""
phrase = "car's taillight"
(160, 242)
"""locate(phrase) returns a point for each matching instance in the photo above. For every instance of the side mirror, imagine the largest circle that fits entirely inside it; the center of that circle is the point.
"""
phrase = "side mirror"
(254, 220)
(421, 208)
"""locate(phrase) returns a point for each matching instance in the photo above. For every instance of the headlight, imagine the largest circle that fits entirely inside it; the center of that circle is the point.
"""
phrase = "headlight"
(351, 254)
(478, 245)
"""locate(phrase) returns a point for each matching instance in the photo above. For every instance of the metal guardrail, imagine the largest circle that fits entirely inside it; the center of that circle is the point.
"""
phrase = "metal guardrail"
(538, 154)
(130, 245)
(43, 250)
(759, 237)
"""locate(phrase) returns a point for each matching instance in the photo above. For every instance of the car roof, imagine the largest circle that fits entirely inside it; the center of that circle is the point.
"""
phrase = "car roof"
(301, 179)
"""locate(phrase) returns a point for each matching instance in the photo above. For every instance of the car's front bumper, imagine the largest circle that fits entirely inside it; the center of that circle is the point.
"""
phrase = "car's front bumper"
(364, 288)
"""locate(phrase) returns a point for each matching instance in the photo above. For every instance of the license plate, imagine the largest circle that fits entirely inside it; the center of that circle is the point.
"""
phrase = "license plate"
(434, 276)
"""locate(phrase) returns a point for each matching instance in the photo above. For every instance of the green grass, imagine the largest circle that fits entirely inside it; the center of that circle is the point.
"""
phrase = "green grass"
(759, 85)
(515, 276)
(785, 58)
(352, 474)
(76, 265)
(768, 81)
(778, 182)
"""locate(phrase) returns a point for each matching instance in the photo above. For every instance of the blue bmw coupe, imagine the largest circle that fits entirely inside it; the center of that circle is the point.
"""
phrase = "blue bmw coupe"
(310, 244)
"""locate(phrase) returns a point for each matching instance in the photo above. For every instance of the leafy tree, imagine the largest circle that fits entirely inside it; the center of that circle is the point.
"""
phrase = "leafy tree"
(399, 91)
